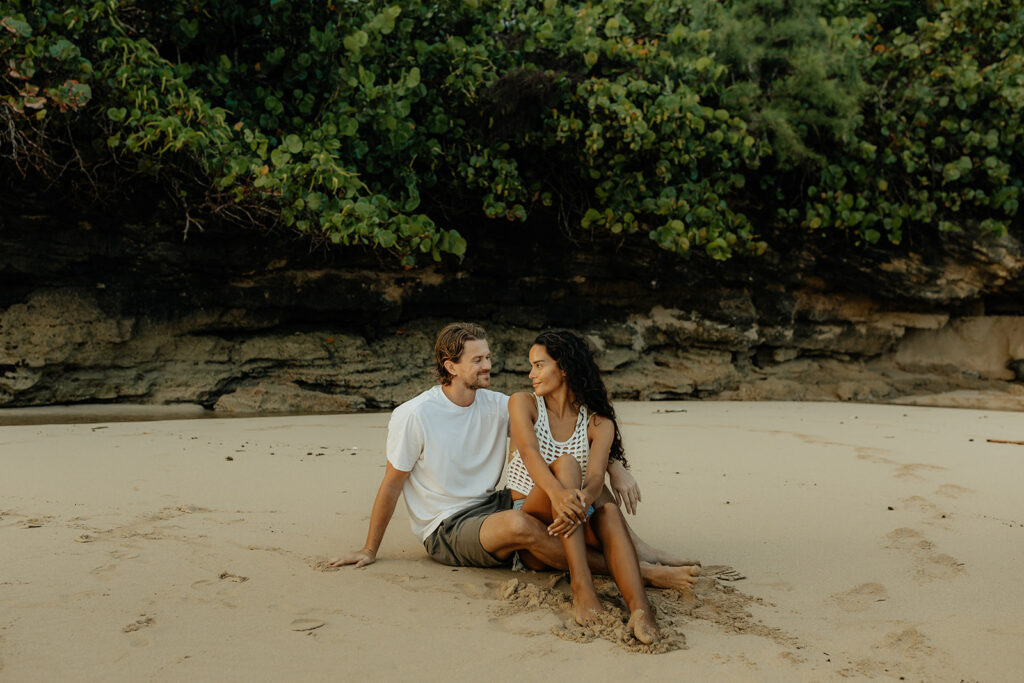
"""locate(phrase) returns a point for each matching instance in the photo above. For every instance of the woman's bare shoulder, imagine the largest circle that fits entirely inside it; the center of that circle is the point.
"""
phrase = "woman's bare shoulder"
(598, 424)
(522, 402)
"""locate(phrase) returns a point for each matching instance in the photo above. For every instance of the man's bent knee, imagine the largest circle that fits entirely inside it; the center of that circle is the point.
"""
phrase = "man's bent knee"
(511, 529)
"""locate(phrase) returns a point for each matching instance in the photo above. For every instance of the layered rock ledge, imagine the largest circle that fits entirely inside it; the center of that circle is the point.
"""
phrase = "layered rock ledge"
(244, 323)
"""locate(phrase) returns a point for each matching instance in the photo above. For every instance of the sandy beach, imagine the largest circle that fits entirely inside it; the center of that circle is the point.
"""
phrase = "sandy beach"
(879, 542)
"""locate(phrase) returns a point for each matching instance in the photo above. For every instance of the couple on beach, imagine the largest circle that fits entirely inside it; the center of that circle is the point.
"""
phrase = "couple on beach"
(446, 450)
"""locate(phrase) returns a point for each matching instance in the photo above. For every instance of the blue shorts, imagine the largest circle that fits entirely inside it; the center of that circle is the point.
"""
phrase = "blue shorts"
(518, 505)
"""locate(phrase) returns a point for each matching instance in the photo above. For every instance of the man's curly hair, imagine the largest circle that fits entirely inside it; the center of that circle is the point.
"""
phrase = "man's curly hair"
(576, 360)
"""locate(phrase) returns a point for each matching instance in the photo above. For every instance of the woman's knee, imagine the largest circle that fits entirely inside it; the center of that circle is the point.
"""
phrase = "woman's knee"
(567, 466)
(604, 498)
(607, 513)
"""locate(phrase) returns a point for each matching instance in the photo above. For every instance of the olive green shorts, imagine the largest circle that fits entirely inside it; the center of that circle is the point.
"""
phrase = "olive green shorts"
(457, 541)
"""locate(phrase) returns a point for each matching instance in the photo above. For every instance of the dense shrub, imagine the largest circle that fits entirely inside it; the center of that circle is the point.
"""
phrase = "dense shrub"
(700, 124)
(940, 145)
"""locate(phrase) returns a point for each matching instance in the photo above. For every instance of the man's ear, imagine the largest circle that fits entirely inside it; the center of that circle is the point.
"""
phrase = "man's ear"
(450, 367)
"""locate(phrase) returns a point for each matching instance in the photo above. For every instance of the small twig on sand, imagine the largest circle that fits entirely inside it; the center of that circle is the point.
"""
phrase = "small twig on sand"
(1015, 443)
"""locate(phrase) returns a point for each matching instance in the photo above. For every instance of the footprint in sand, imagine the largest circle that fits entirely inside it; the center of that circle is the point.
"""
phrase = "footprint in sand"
(913, 470)
(104, 569)
(934, 515)
(902, 470)
(873, 455)
(921, 503)
(142, 622)
(940, 566)
(908, 642)
(223, 587)
(952, 490)
(416, 583)
(860, 598)
(908, 539)
(928, 563)
(489, 590)
(34, 522)
(110, 567)
(527, 624)
(137, 639)
(123, 555)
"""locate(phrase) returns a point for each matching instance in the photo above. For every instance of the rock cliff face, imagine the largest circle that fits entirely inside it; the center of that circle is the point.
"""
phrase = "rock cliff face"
(247, 323)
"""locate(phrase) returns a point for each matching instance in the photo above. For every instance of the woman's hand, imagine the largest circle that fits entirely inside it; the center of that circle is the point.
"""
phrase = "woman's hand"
(624, 486)
(571, 511)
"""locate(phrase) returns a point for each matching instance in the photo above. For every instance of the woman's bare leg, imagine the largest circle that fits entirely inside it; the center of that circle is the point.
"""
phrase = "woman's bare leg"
(645, 552)
(586, 605)
(648, 555)
(610, 527)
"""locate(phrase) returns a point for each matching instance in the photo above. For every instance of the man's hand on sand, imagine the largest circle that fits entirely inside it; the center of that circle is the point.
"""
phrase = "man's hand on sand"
(359, 558)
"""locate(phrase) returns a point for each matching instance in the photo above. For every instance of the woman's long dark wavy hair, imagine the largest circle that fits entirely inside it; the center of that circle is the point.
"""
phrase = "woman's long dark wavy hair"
(576, 360)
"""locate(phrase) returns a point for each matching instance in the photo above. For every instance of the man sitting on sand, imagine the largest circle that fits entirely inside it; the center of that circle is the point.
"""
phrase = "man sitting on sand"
(446, 452)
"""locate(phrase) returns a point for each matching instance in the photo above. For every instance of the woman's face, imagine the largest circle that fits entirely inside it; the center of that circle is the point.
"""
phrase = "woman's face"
(545, 374)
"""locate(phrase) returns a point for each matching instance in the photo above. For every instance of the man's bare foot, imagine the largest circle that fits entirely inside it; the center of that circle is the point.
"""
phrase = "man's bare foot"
(648, 553)
(586, 607)
(680, 578)
(644, 627)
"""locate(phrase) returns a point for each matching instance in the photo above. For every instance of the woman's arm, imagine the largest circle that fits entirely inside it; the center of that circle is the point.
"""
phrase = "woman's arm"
(522, 410)
(601, 433)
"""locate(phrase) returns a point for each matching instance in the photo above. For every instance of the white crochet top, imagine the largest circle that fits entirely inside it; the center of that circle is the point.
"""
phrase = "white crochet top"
(576, 445)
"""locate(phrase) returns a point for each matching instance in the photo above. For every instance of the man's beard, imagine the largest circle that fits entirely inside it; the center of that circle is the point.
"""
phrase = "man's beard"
(482, 382)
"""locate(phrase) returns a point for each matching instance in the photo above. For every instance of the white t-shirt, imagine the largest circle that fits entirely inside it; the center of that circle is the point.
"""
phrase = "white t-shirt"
(454, 454)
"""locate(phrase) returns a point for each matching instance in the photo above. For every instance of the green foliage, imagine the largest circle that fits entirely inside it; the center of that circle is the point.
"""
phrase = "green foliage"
(794, 75)
(387, 124)
(940, 146)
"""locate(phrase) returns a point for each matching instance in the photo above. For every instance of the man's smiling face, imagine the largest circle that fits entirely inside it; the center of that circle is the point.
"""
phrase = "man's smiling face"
(473, 369)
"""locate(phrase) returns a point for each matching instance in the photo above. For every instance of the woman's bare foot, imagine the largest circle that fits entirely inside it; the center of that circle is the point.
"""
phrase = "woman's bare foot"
(680, 578)
(586, 607)
(644, 627)
(645, 552)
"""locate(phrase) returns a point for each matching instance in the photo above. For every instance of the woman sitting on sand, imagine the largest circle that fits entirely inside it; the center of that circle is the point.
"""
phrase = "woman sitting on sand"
(565, 433)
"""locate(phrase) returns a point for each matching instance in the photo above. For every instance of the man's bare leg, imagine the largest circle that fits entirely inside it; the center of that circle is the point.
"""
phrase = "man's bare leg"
(651, 555)
(506, 532)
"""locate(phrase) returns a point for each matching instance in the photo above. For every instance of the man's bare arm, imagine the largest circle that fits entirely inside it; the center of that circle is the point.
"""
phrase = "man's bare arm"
(380, 517)
(623, 486)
